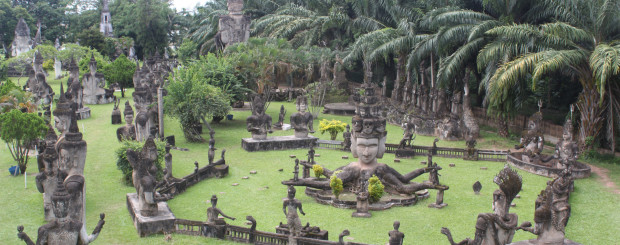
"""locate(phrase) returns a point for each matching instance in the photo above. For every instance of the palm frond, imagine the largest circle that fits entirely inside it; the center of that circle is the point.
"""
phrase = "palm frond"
(605, 63)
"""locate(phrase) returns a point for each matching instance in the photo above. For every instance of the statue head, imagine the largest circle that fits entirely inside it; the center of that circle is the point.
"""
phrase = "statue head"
(369, 134)
(510, 184)
(235, 6)
(213, 201)
(567, 132)
(302, 103)
(396, 225)
(63, 112)
(291, 192)
(258, 105)
(534, 123)
(60, 199)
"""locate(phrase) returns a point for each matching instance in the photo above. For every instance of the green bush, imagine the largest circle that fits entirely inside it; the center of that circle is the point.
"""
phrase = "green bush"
(48, 65)
(318, 170)
(101, 62)
(336, 184)
(375, 189)
(7, 87)
(123, 164)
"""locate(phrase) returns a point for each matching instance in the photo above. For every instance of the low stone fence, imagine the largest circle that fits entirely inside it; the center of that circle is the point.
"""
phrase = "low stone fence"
(516, 124)
(482, 155)
(178, 186)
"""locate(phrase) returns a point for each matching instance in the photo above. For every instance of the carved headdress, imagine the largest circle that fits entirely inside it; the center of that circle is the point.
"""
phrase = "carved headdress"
(368, 122)
(509, 183)
(63, 107)
(568, 128)
(301, 99)
(128, 110)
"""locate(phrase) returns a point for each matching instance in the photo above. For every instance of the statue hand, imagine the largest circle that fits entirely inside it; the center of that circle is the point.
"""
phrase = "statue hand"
(100, 223)
(232, 218)
(524, 225)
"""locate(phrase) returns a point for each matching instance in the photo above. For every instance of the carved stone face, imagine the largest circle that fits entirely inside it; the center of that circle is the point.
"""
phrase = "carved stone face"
(302, 107)
(367, 150)
(62, 123)
(60, 209)
(129, 119)
(499, 203)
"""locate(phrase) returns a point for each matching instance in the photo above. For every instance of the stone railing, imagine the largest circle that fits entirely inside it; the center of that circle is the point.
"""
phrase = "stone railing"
(178, 186)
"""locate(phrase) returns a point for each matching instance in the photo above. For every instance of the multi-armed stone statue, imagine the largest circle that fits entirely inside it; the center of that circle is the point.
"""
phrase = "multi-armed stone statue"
(368, 144)
(301, 121)
(499, 227)
(93, 82)
(552, 213)
(64, 229)
(532, 140)
(144, 177)
(259, 123)
(127, 132)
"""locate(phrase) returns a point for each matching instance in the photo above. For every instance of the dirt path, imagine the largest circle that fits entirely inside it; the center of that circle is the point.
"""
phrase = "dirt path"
(604, 178)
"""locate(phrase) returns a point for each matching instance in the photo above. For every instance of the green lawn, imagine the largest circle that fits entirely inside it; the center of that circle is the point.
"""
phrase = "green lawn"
(594, 220)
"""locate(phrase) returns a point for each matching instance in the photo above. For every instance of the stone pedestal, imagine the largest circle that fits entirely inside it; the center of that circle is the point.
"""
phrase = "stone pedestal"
(163, 222)
(83, 113)
(536, 242)
(439, 204)
(278, 143)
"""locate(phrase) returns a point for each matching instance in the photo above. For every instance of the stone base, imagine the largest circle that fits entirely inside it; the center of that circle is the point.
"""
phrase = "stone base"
(437, 206)
(83, 113)
(348, 200)
(278, 143)
(536, 242)
(361, 215)
(162, 223)
(519, 160)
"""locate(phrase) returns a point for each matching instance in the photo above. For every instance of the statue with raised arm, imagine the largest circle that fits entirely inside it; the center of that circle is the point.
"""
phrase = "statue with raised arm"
(213, 213)
(368, 144)
(290, 206)
(64, 229)
(532, 140)
(499, 227)
(301, 121)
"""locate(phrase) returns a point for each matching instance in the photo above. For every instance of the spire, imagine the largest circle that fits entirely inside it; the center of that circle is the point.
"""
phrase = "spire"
(105, 6)
(22, 28)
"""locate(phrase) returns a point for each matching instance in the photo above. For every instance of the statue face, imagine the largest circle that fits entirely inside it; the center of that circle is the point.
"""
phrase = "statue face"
(499, 203)
(60, 208)
(61, 123)
(367, 150)
(302, 107)
(129, 119)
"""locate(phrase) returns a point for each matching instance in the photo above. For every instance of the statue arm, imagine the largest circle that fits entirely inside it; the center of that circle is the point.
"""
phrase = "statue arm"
(85, 238)
(301, 210)
(411, 175)
(224, 215)
(23, 236)
(311, 123)
(284, 206)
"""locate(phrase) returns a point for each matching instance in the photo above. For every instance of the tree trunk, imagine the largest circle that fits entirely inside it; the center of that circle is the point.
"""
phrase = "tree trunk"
(502, 127)
(591, 121)
(400, 73)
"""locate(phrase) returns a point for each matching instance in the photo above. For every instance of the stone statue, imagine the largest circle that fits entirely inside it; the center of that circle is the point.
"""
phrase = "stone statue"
(63, 113)
(143, 176)
(213, 213)
(302, 120)
(116, 113)
(296, 171)
(144, 122)
(471, 153)
(290, 206)
(362, 205)
(407, 136)
(347, 139)
(449, 128)
(496, 228)
(39, 88)
(259, 123)
(71, 161)
(234, 27)
(127, 132)
(168, 161)
(477, 187)
(566, 150)
(93, 82)
(22, 42)
(396, 237)
(368, 144)
(280, 122)
(74, 88)
(552, 212)
(211, 153)
(46, 179)
(64, 229)
(533, 139)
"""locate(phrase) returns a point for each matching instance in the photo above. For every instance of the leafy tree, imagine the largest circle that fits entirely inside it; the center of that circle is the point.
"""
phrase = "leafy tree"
(336, 184)
(187, 51)
(83, 62)
(191, 98)
(375, 188)
(13, 97)
(220, 72)
(333, 127)
(19, 130)
(123, 164)
(120, 71)
(92, 38)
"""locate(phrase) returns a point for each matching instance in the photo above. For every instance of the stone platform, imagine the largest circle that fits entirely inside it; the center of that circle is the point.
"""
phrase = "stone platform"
(348, 200)
(83, 113)
(579, 170)
(278, 143)
(344, 109)
(536, 242)
(162, 223)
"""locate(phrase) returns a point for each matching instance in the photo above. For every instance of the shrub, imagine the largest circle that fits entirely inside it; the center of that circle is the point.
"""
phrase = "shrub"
(375, 188)
(120, 71)
(318, 170)
(19, 130)
(336, 184)
(123, 164)
(48, 65)
(334, 127)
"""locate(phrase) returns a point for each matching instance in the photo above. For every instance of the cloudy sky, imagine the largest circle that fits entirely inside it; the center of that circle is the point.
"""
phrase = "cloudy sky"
(187, 4)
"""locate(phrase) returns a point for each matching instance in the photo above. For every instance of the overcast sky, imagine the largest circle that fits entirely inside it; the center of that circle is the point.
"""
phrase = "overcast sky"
(187, 4)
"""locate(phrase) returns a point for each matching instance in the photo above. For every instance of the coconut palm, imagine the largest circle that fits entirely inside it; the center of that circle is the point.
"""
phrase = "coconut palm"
(583, 44)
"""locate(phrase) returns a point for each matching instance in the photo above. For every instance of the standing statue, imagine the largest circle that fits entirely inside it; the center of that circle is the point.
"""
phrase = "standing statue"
(259, 123)
(552, 212)
(347, 139)
(566, 150)
(368, 144)
(168, 161)
(396, 237)
(211, 153)
(407, 136)
(62, 114)
(280, 122)
(127, 132)
(290, 206)
(116, 113)
(302, 120)
(499, 227)
(533, 139)
(143, 176)
(64, 229)
(71, 161)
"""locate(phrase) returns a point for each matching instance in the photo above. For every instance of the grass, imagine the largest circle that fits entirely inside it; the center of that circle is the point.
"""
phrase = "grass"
(594, 220)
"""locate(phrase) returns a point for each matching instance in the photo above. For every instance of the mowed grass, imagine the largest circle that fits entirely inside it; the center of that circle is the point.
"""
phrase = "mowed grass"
(594, 220)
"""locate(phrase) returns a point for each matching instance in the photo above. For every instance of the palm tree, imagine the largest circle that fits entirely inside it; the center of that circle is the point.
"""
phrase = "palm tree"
(582, 44)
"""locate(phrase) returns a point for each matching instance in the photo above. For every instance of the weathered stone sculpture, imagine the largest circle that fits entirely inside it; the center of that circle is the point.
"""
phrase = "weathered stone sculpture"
(302, 120)
(449, 128)
(396, 237)
(116, 113)
(471, 153)
(145, 121)
(368, 144)
(75, 91)
(37, 84)
(234, 27)
(62, 114)
(46, 179)
(290, 206)
(566, 150)
(22, 42)
(280, 122)
(64, 229)
(532, 140)
(496, 228)
(213, 213)
(433, 177)
(259, 123)
(346, 143)
(407, 136)
(362, 205)
(143, 176)
(127, 132)
(211, 153)
(93, 82)
(552, 213)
